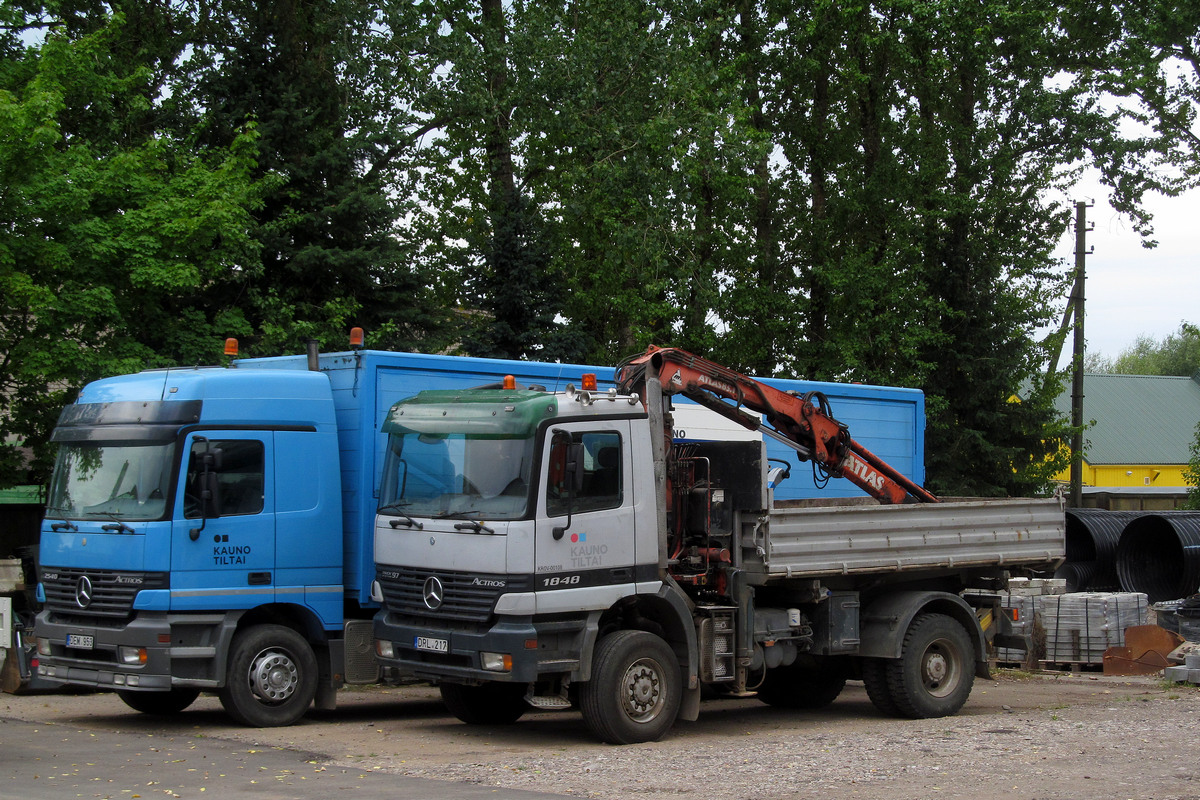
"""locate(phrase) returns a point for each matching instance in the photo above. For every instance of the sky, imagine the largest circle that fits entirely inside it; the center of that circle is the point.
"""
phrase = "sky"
(1131, 291)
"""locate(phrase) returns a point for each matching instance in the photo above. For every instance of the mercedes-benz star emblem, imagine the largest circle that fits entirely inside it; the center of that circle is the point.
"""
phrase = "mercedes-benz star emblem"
(83, 591)
(434, 593)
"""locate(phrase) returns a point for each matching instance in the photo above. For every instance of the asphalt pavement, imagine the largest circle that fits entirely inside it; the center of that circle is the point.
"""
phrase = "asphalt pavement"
(54, 762)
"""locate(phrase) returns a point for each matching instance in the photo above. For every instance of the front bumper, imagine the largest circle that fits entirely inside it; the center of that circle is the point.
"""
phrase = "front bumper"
(182, 650)
(100, 666)
(537, 649)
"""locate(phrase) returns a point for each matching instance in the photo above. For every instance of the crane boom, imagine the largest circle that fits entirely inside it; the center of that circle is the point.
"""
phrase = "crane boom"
(804, 423)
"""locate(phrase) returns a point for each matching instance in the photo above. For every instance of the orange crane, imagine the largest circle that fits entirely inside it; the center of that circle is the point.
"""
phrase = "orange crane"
(802, 422)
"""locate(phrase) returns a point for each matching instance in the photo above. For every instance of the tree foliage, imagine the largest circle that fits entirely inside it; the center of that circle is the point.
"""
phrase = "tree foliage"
(113, 225)
(1176, 354)
(839, 192)
(332, 147)
(1191, 474)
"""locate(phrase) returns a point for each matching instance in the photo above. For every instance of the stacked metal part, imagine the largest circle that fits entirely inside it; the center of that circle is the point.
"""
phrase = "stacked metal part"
(1081, 626)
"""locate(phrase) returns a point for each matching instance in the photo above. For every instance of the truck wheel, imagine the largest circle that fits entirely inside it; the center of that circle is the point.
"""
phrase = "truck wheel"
(935, 672)
(272, 677)
(161, 704)
(489, 704)
(801, 687)
(874, 675)
(635, 691)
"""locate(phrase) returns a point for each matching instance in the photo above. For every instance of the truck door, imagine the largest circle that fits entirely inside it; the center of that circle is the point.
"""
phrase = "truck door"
(585, 524)
(223, 548)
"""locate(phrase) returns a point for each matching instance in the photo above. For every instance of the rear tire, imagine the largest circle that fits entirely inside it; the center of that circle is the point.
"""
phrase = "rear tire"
(799, 686)
(159, 704)
(874, 675)
(272, 677)
(635, 691)
(489, 704)
(936, 670)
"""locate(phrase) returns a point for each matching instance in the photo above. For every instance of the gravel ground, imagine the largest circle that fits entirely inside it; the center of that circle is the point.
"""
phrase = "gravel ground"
(1037, 737)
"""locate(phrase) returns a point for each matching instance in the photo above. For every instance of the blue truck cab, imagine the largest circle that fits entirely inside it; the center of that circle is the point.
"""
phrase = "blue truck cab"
(188, 542)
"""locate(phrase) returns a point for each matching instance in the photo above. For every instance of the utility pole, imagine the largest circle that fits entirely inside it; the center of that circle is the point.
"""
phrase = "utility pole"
(1081, 251)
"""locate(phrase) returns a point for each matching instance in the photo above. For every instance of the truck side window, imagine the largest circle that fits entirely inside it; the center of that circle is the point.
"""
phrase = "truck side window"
(239, 477)
(602, 480)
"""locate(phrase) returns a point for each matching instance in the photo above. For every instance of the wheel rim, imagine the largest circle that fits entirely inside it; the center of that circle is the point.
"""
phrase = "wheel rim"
(941, 668)
(642, 690)
(274, 676)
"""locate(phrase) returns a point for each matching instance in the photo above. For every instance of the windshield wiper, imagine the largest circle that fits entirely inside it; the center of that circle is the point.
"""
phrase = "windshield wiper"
(411, 523)
(66, 525)
(472, 525)
(469, 525)
(117, 525)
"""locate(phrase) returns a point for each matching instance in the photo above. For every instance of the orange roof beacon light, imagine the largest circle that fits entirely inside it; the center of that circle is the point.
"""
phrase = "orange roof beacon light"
(510, 382)
(356, 337)
(589, 381)
(231, 347)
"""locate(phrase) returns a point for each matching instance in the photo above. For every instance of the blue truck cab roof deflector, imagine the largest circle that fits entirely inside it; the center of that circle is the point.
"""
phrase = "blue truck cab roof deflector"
(125, 420)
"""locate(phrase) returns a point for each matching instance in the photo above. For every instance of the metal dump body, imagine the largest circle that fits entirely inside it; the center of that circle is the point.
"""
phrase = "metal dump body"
(854, 539)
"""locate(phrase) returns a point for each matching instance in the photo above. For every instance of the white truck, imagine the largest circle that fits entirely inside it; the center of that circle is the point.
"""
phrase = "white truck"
(557, 550)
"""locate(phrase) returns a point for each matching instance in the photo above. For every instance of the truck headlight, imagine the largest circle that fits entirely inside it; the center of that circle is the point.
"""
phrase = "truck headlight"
(385, 649)
(496, 662)
(43, 646)
(132, 655)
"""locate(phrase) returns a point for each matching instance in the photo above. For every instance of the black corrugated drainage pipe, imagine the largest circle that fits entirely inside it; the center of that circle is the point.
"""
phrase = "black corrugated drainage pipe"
(1159, 554)
(1092, 536)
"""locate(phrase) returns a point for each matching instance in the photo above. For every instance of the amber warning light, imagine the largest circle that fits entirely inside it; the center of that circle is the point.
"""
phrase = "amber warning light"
(356, 337)
(231, 347)
(510, 382)
(589, 381)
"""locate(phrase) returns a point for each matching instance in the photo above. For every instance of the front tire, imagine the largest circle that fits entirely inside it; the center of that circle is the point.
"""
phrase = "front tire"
(489, 704)
(935, 672)
(635, 691)
(159, 704)
(272, 677)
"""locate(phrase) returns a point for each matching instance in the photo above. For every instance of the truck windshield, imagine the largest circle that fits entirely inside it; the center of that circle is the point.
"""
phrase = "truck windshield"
(111, 481)
(438, 475)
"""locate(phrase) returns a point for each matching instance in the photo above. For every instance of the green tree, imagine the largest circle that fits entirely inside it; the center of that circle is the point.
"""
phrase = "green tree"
(320, 81)
(1177, 354)
(1191, 474)
(115, 225)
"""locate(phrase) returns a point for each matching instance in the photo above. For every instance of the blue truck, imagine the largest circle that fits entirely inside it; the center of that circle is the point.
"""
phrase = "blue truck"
(211, 529)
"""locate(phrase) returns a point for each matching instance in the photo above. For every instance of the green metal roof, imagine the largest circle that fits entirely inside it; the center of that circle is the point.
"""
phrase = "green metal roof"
(1139, 419)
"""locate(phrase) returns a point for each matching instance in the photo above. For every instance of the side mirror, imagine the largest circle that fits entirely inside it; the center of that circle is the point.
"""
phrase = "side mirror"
(566, 458)
(575, 467)
(209, 487)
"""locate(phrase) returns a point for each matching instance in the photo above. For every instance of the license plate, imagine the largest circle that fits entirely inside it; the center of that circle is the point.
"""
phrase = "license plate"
(80, 642)
(431, 644)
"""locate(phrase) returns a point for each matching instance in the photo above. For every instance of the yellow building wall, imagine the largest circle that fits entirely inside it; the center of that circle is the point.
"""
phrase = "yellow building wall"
(1111, 475)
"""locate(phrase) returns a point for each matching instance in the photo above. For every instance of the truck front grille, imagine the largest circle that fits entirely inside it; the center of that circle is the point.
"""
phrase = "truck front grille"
(465, 597)
(91, 594)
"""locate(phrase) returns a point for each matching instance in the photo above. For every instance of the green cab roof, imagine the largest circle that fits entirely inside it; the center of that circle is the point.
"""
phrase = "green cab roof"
(481, 413)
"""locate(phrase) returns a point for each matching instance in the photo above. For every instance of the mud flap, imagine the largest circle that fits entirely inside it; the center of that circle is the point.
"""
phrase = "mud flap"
(689, 707)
